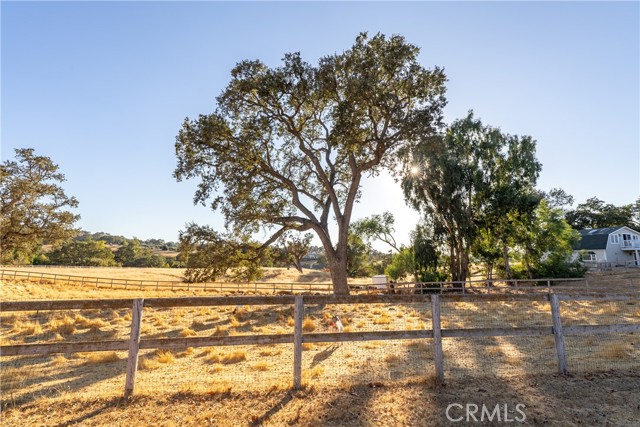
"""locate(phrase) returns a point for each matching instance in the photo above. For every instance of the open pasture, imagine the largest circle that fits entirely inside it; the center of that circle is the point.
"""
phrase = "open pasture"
(385, 377)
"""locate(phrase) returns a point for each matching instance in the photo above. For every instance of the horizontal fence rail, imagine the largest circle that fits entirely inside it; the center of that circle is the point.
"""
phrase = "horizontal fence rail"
(436, 333)
(470, 286)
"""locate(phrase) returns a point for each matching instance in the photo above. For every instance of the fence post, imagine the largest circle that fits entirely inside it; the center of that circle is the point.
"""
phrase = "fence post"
(134, 347)
(298, 314)
(437, 337)
(557, 333)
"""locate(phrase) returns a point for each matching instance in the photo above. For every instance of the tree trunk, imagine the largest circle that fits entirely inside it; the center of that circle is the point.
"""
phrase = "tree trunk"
(507, 267)
(339, 275)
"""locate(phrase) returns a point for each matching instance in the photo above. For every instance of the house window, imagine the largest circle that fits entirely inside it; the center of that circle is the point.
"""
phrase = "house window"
(635, 237)
(614, 238)
(589, 256)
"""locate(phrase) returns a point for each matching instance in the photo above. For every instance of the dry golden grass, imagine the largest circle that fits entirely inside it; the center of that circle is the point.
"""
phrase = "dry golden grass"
(64, 326)
(392, 358)
(328, 366)
(26, 328)
(513, 360)
(271, 352)
(13, 378)
(226, 358)
(59, 359)
(308, 325)
(83, 323)
(46, 289)
(382, 319)
(98, 358)
(617, 350)
(186, 352)
(188, 333)
(221, 331)
(261, 366)
(316, 372)
(164, 356)
(307, 346)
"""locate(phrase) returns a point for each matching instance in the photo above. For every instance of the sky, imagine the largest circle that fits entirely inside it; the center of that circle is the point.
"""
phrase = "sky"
(103, 87)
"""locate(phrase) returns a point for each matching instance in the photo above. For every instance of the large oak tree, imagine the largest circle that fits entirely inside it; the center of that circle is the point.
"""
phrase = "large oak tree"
(286, 148)
(33, 206)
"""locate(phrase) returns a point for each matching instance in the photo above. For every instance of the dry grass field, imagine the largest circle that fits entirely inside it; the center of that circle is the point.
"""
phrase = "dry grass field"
(355, 383)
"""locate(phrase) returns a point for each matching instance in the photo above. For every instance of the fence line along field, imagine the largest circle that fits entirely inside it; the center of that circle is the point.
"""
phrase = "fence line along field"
(386, 374)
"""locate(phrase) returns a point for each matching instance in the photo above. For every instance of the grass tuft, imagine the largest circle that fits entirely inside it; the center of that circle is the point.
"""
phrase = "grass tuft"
(227, 358)
(64, 326)
(188, 333)
(308, 325)
(98, 358)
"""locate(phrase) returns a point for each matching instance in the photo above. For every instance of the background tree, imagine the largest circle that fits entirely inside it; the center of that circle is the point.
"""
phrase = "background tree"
(87, 253)
(32, 206)
(209, 255)
(287, 147)
(296, 248)
(358, 253)
(557, 198)
(377, 227)
(595, 213)
(553, 244)
(133, 254)
(444, 179)
(472, 177)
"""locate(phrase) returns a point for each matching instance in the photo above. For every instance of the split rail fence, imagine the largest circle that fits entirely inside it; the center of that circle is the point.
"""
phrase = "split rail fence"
(492, 285)
(434, 333)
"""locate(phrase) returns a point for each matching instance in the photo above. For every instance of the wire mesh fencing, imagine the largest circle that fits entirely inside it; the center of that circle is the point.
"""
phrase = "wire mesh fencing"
(605, 351)
(206, 345)
(500, 355)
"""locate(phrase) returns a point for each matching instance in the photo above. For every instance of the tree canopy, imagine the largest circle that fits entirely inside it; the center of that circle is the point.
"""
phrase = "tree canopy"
(87, 253)
(472, 177)
(286, 147)
(595, 213)
(33, 206)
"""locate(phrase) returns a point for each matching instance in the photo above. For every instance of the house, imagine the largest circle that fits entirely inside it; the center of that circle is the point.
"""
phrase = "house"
(615, 246)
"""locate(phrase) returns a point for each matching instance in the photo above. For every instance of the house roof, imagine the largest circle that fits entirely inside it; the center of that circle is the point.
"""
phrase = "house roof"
(594, 238)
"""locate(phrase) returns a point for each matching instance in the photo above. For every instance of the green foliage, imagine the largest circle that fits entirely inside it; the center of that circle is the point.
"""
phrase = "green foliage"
(109, 239)
(295, 248)
(32, 207)
(86, 253)
(402, 265)
(549, 247)
(357, 257)
(377, 227)
(472, 177)
(287, 147)
(595, 213)
(133, 254)
(426, 254)
(210, 255)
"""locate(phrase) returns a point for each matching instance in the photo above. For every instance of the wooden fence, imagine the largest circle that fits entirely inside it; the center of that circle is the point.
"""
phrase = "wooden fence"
(134, 344)
(477, 285)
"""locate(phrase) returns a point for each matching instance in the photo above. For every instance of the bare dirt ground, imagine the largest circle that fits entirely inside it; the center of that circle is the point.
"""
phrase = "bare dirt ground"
(606, 399)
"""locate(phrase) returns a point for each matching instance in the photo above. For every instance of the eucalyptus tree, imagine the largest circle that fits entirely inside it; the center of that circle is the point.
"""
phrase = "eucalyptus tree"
(473, 177)
(33, 206)
(287, 147)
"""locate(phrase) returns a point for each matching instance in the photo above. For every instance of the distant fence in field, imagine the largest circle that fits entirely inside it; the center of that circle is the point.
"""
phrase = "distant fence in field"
(455, 310)
(472, 286)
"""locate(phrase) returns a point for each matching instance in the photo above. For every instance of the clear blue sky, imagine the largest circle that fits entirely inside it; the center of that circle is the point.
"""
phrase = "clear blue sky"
(102, 88)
